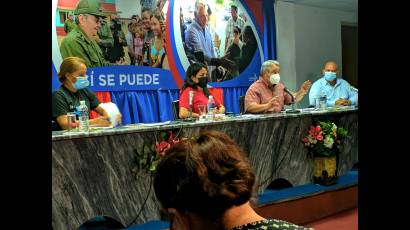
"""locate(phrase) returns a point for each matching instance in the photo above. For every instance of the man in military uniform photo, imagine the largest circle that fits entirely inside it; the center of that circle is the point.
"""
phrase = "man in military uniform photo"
(81, 41)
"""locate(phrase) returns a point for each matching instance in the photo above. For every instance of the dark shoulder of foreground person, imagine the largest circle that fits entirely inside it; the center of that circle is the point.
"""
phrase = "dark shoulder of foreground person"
(270, 224)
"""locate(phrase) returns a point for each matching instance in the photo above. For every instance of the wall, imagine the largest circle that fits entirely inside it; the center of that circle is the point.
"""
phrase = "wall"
(128, 8)
(285, 43)
(307, 37)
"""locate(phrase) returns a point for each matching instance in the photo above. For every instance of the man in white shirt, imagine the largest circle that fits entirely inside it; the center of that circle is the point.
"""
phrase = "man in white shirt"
(234, 21)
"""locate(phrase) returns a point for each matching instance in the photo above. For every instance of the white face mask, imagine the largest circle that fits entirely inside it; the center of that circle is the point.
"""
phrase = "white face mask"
(274, 78)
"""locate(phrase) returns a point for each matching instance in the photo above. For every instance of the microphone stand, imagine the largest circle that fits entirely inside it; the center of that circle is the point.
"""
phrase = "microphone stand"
(191, 95)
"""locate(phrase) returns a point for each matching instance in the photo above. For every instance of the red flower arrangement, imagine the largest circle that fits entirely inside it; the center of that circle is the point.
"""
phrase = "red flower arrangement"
(146, 160)
(162, 146)
(325, 139)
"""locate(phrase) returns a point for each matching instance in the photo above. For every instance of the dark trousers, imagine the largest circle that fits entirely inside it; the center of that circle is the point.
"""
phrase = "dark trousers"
(132, 58)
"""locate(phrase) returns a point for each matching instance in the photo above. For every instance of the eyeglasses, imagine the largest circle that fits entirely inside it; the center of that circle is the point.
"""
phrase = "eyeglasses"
(96, 18)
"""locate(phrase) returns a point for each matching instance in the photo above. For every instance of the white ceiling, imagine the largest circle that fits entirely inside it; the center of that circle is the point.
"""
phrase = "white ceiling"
(344, 5)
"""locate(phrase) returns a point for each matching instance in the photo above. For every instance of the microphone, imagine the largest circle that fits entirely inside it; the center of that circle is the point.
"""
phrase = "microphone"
(287, 91)
(191, 96)
(293, 110)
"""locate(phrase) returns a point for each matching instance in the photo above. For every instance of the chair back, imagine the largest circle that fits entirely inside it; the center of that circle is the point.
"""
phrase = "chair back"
(242, 104)
(175, 109)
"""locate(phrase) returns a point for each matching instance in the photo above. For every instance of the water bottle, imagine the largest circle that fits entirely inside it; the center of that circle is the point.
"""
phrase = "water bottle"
(211, 109)
(83, 117)
(322, 101)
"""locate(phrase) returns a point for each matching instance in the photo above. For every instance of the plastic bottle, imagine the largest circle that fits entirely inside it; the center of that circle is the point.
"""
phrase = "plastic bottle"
(211, 109)
(83, 117)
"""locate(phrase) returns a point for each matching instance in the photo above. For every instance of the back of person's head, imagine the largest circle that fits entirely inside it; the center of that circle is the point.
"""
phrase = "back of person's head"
(69, 65)
(248, 35)
(234, 52)
(204, 176)
(132, 27)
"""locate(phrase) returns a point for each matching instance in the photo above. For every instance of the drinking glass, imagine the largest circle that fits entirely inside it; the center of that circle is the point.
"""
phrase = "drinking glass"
(71, 121)
(202, 112)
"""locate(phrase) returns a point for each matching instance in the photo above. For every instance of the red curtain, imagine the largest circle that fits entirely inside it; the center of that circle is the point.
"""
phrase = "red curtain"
(103, 96)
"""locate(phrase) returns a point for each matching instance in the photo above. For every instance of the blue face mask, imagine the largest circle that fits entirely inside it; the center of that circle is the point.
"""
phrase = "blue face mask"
(330, 76)
(81, 83)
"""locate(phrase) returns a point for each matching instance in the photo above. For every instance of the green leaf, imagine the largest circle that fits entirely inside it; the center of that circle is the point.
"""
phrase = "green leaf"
(142, 162)
(163, 135)
(146, 150)
(153, 166)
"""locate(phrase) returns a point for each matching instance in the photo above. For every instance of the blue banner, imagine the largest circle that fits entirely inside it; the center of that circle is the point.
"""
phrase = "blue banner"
(54, 81)
(127, 78)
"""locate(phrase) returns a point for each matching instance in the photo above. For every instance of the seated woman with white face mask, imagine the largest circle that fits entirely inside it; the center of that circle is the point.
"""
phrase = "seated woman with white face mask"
(66, 99)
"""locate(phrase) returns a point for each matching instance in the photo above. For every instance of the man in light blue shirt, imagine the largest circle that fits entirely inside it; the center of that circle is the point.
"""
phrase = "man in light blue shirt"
(337, 90)
(198, 36)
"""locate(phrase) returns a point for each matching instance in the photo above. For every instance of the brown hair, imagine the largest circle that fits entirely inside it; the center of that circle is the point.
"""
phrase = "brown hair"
(205, 176)
(159, 17)
(69, 65)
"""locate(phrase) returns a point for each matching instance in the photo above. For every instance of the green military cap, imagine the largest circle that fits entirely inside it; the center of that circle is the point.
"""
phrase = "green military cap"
(89, 7)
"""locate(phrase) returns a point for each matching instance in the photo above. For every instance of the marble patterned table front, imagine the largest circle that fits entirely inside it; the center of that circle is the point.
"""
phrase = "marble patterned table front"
(92, 172)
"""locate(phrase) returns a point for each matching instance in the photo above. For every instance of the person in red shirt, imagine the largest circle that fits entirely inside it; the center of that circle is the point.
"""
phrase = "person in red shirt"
(268, 94)
(196, 79)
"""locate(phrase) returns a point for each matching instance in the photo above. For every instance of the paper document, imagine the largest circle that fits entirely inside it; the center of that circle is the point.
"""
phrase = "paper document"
(250, 115)
(156, 124)
(113, 112)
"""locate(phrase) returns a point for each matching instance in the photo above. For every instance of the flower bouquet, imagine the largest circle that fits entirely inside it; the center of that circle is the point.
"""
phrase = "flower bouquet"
(325, 141)
(147, 158)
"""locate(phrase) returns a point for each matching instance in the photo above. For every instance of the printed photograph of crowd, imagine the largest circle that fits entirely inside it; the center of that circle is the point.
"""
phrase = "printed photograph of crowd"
(136, 40)
(216, 33)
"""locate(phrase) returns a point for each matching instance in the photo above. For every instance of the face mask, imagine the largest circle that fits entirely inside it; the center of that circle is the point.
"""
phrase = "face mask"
(203, 81)
(330, 76)
(81, 83)
(274, 78)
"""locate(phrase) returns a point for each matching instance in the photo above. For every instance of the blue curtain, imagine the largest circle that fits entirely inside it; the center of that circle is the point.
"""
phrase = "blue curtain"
(231, 98)
(54, 81)
(150, 106)
(146, 106)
